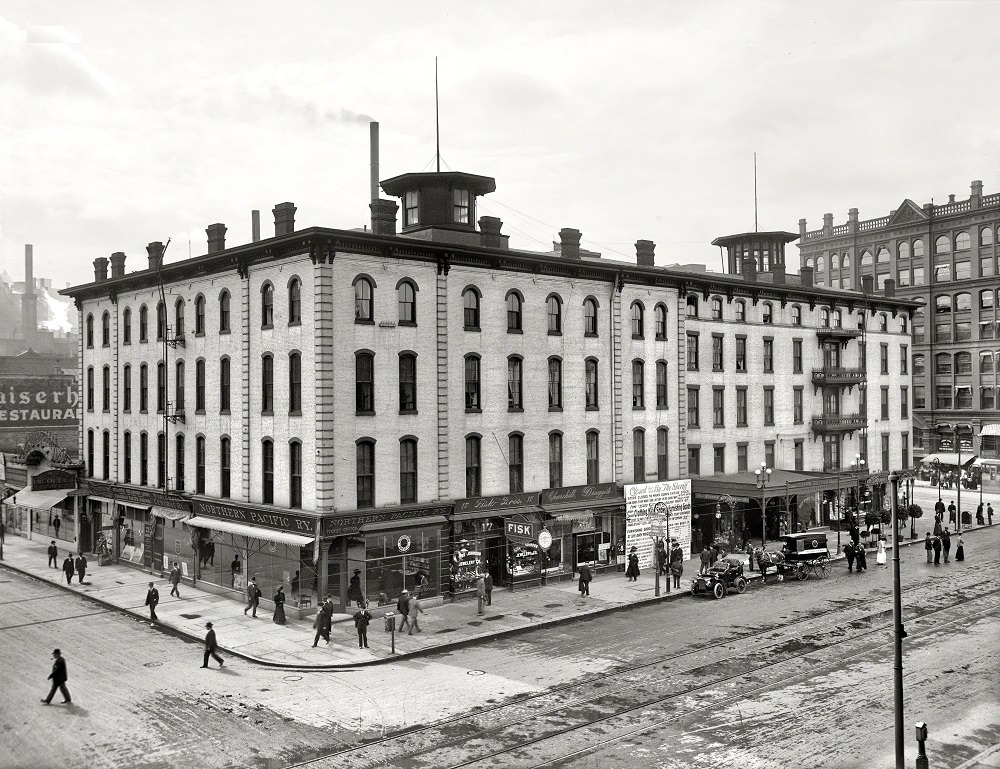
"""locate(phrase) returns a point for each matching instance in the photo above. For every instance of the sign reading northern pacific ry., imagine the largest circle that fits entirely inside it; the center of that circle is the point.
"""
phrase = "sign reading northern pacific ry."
(35, 402)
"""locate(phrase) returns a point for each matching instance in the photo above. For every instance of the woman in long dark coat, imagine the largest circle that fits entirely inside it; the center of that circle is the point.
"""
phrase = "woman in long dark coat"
(279, 606)
(632, 572)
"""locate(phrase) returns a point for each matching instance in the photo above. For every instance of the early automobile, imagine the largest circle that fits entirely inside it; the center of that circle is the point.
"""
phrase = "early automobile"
(725, 575)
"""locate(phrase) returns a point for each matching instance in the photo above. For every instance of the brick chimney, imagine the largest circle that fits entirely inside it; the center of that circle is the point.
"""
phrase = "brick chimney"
(749, 270)
(569, 243)
(383, 216)
(100, 269)
(806, 277)
(828, 223)
(644, 253)
(489, 232)
(778, 271)
(852, 220)
(890, 288)
(155, 251)
(977, 194)
(216, 237)
(867, 284)
(118, 264)
(284, 218)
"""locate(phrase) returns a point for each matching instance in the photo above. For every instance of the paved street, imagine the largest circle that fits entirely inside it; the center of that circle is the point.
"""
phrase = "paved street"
(167, 712)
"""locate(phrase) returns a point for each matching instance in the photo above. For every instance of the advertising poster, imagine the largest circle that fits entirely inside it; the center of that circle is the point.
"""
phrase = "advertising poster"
(649, 502)
(36, 402)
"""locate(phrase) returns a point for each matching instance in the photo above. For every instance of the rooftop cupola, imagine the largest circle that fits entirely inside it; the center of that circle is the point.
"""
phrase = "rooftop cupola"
(440, 206)
(765, 249)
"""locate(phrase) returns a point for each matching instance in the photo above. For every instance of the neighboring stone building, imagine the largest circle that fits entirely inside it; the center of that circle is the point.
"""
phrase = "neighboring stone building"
(944, 256)
(328, 402)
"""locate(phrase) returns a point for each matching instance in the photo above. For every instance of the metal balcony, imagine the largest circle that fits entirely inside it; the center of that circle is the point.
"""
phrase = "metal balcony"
(833, 377)
(842, 335)
(839, 423)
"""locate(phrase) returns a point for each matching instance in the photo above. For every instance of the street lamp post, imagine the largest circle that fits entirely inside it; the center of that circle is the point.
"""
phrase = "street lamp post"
(763, 474)
(898, 632)
(907, 476)
(659, 529)
(840, 518)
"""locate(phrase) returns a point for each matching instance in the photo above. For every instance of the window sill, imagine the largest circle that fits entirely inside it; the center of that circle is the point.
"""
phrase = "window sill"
(662, 407)
(555, 409)
(592, 408)
(266, 326)
(638, 336)
(638, 408)
(143, 341)
(199, 412)
(407, 324)
(294, 323)
(224, 331)
(295, 413)
(475, 329)
(473, 411)
(367, 413)
(199, 334)
(515, 331)
(266, 413)
(555, 333)
(407, 412)
(660, 338)
(225, 413)
(515, 409)
(590, 335)
(364, 322)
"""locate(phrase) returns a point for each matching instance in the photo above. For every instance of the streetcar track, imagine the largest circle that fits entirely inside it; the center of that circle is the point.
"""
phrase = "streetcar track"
(34, 623)
(520, 710)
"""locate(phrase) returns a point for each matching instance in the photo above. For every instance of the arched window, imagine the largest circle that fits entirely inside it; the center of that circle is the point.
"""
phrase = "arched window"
(741, 311)
(295, 474)
(106, 330)
(963, 363)
(514, 303)
(106, 457)
(224, 385)
(918, 247)
(590, 383)
(942, 245)
(903, 250)
(199, 385)
(179, 388)
(962, 241)
(918, 365)
(824, 318)
(179, 463)
(472, 383)
(143, 324)
(593, 457)
(363, 301)
(662, 472)
(127, 456)
(199, 315)
(660, 315)
(553, 307)
(364, 382)
(692, 306)
(473, 466)
(986, 236)
(407, 470)
(942, 304)
(555, 460)
(638, 385)
(267, 471)
(161, 387)
(224, 312)
(820, 265)
(883, 322)
(294, 383)
(515, 462)
(638, 455)
(555, 384)
(127, 326)
(406, 295)
(225, 460)
(295, 305)
(963, 302)
(90, 331)
(179, 318)
(590, 316)
(161, 322)
(407, 382)
(882, 257)
(716, 308)
(515, 383)
(796, 315)
(127, 388)
(267, 306)
(638, 325)
(866, 259)
(106, 389)
(143, 387)
(267, 384)
(837, 319)
(470, 308)
(942, 363)
(661, 384)
(199, 464)
(767, 313)
(986, 362)
(366, 473)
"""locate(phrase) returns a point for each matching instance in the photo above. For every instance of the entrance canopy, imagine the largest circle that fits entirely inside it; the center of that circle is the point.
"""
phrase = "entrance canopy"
(42, 500)
(255, 532)
(949, 459)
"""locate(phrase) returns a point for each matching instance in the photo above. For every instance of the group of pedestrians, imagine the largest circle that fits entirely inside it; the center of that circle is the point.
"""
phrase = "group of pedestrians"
(937, 544)
(409, 609)
(70, 566)
(672, 561)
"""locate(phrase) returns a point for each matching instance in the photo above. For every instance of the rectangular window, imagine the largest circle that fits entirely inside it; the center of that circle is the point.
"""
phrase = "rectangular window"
(800, 456)
(144, 459)
(593, 458)
(904, 402)
(224, 468)
(460, 206)
(904, 357)
(591, 384)
(741, 407)
(472, 402)
(106, 389)
(796, 356)
(267, 385)
(885, 452)
(199, 386)
(742, 457)
(719, 459)
(692, 352)
(473, 472)
(365, 481)
(884, 403)
(514, 401)
(179, 463)
(741, 353)
(638, 388)
(407, 471)
(662, 470)
(797, 397)
(883, 359)
(942, 396)
(555, 460)
(407, 383)
(555, 384)
(199, 465)
(294, 384)
(768, 356)
(904, 450)
(718, 407)
(127, 389)
(515, 460)
(127, 456)
(161, 461)
(364, 384)
(411, 209)
(692, 407)
(295, 475)
(661, 384)
(717, 359)
(768, 405)
(769, 453)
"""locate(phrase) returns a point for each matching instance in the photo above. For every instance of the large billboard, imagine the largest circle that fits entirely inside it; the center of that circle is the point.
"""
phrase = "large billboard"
(37, 402)
(646, 503)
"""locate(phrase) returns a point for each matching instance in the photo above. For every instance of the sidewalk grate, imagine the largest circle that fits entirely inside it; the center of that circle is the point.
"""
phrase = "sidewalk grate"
(190, 616)
(494, 617)
(553, 606)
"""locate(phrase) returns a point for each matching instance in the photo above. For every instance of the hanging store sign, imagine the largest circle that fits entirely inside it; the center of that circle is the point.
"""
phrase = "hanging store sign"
(272, 519)
(495, 504)
(53, 479)
(351, 524)
(129, 495)
(599, 492)
(520, 530)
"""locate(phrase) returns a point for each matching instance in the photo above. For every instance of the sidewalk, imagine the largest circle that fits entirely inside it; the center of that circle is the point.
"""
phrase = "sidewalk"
(260, 640)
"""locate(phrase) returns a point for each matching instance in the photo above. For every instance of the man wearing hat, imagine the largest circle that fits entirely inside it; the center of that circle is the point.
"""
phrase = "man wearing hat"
(403, 607)
(354, 588)
(210, 646)
(676, 562)
(632, 572)
(53, 555)
(58, 677)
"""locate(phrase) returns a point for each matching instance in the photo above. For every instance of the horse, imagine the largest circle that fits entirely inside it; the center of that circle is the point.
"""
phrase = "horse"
(769, 559)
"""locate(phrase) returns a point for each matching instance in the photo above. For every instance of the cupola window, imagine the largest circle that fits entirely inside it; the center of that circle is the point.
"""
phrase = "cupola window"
(411, 211)
(460, 206)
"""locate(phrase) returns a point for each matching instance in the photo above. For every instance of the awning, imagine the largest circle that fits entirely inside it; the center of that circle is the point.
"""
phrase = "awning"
(503, 513)
(255, 532)
(990, 430)
(948, 459)
(105, 500)
(169, 513)
(405, 523)
(42, 500)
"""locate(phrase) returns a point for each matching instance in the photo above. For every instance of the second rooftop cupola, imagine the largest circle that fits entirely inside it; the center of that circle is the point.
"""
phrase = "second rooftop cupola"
(439, 206)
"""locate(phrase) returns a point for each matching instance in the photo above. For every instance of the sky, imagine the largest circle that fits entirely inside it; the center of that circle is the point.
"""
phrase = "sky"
(128, 122)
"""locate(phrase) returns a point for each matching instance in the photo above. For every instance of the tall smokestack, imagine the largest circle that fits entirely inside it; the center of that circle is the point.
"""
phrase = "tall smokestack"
(29, 305)
(255, 225)
(373, 142)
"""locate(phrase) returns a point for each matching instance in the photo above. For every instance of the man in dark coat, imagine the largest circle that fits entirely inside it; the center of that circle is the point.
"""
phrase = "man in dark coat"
(403, 609)
(253, 596)
(855, 533)
(929, 547)
(946, 544)
(362, 617)
(69, 569)
(58, 677)
(861, 558)
(323, 621)
(849, 555)
(585, 577)
(210, 646)
(152, 598)
(677, 562)
(936, 542)
(951, 511)
(488, 584)
(53, 555)
(81, 567)
(56, 523)
(175, 580)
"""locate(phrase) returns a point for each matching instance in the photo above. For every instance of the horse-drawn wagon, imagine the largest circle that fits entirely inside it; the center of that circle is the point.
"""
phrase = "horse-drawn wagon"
(800, 555)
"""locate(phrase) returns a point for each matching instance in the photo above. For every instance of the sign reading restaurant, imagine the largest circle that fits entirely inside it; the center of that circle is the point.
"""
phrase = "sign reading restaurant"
(272, 519)
(37, 402)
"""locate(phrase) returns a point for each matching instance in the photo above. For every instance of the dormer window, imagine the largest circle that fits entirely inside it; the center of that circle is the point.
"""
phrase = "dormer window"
(411, 211)
(460, 206)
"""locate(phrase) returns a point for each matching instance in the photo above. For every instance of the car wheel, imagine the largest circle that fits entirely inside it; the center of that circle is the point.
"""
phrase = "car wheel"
(740, 584)
(718, 590)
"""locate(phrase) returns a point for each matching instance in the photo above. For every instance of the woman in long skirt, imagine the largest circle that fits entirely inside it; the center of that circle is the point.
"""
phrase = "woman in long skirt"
(960, 551)
(632, 572)
(880, 555)
(279, 606)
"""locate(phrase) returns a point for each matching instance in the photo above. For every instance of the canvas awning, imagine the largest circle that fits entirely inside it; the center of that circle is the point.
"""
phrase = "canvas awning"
(169, 513)
(990, 430)
(949, 459)
(255, 532)
(41, 500)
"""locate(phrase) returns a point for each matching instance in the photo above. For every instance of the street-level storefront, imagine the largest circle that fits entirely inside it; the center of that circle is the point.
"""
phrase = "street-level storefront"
(39, 502)
(141, 527)
(375, 555)
(587, 526)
